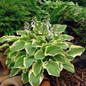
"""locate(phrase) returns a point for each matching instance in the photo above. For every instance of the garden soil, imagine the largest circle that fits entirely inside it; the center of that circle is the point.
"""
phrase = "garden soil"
(70, 79)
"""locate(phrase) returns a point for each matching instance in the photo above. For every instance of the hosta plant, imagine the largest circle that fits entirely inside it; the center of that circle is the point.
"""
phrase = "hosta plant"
(40, 46)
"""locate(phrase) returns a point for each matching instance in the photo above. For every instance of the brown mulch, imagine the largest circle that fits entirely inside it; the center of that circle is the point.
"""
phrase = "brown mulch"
(70, 79)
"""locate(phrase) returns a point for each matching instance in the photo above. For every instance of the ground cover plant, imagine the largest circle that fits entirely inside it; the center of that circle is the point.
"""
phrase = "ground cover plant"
(13, 14)
(37, 48)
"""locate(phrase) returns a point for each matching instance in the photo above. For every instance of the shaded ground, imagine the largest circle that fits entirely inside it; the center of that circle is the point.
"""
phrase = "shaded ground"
(70, 79)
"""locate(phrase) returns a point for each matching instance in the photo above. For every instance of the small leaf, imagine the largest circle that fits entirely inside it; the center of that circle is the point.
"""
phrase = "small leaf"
(75, 50)
(41, 38)
(29, 49)
(36, 44)
(21, 32)
(60, 58)
(8, 38)
(28, 61)
(11, 54)
(5, 45)
(52, 50)
(61, 28)
(69, 57)
(20, 54)
(53, 68)
(7, 51)
(35, 80)
(67, 37)
(25, 38)
(8, 61)
(69, 66)
(37, 66)
(17, 46)
(63, 45)
(19, 63)
(25, 77)
(11, 65)
(39, 55)
(15, 71)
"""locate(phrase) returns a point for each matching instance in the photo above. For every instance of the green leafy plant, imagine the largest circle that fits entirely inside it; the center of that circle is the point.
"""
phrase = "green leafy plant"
(40, 46)
(68, 11)
(13, 14)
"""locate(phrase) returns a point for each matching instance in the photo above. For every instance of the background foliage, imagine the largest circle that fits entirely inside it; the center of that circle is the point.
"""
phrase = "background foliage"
(80, 2)
(65, 13)
(13, 14)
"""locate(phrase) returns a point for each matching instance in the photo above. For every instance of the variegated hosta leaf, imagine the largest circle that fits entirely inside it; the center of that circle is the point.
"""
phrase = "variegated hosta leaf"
(8, 38)
(28, 61)
(20, 54)
(7, 51)
(66, 37)
(75, 50)
(8, 61)
(29, 49)
(11, 64)
(3, 39)
(21, 32)
(52, 50)
(5, 45)
(19, 62)
(63, 45)
(69, 43)
(25, 38)
(60, 58)
(52, 67)
(15, 71)
(35, 80)
(25, 77)
(37, 66)
(68, 66)
(39, 54)
(36, 44)
(61, 28)
(17, 46)
(69, 57)
(41, 38)
(11, 54)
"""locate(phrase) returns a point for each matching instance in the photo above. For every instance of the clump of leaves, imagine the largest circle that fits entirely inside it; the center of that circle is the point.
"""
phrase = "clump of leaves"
(13, 14)
(40, 46)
